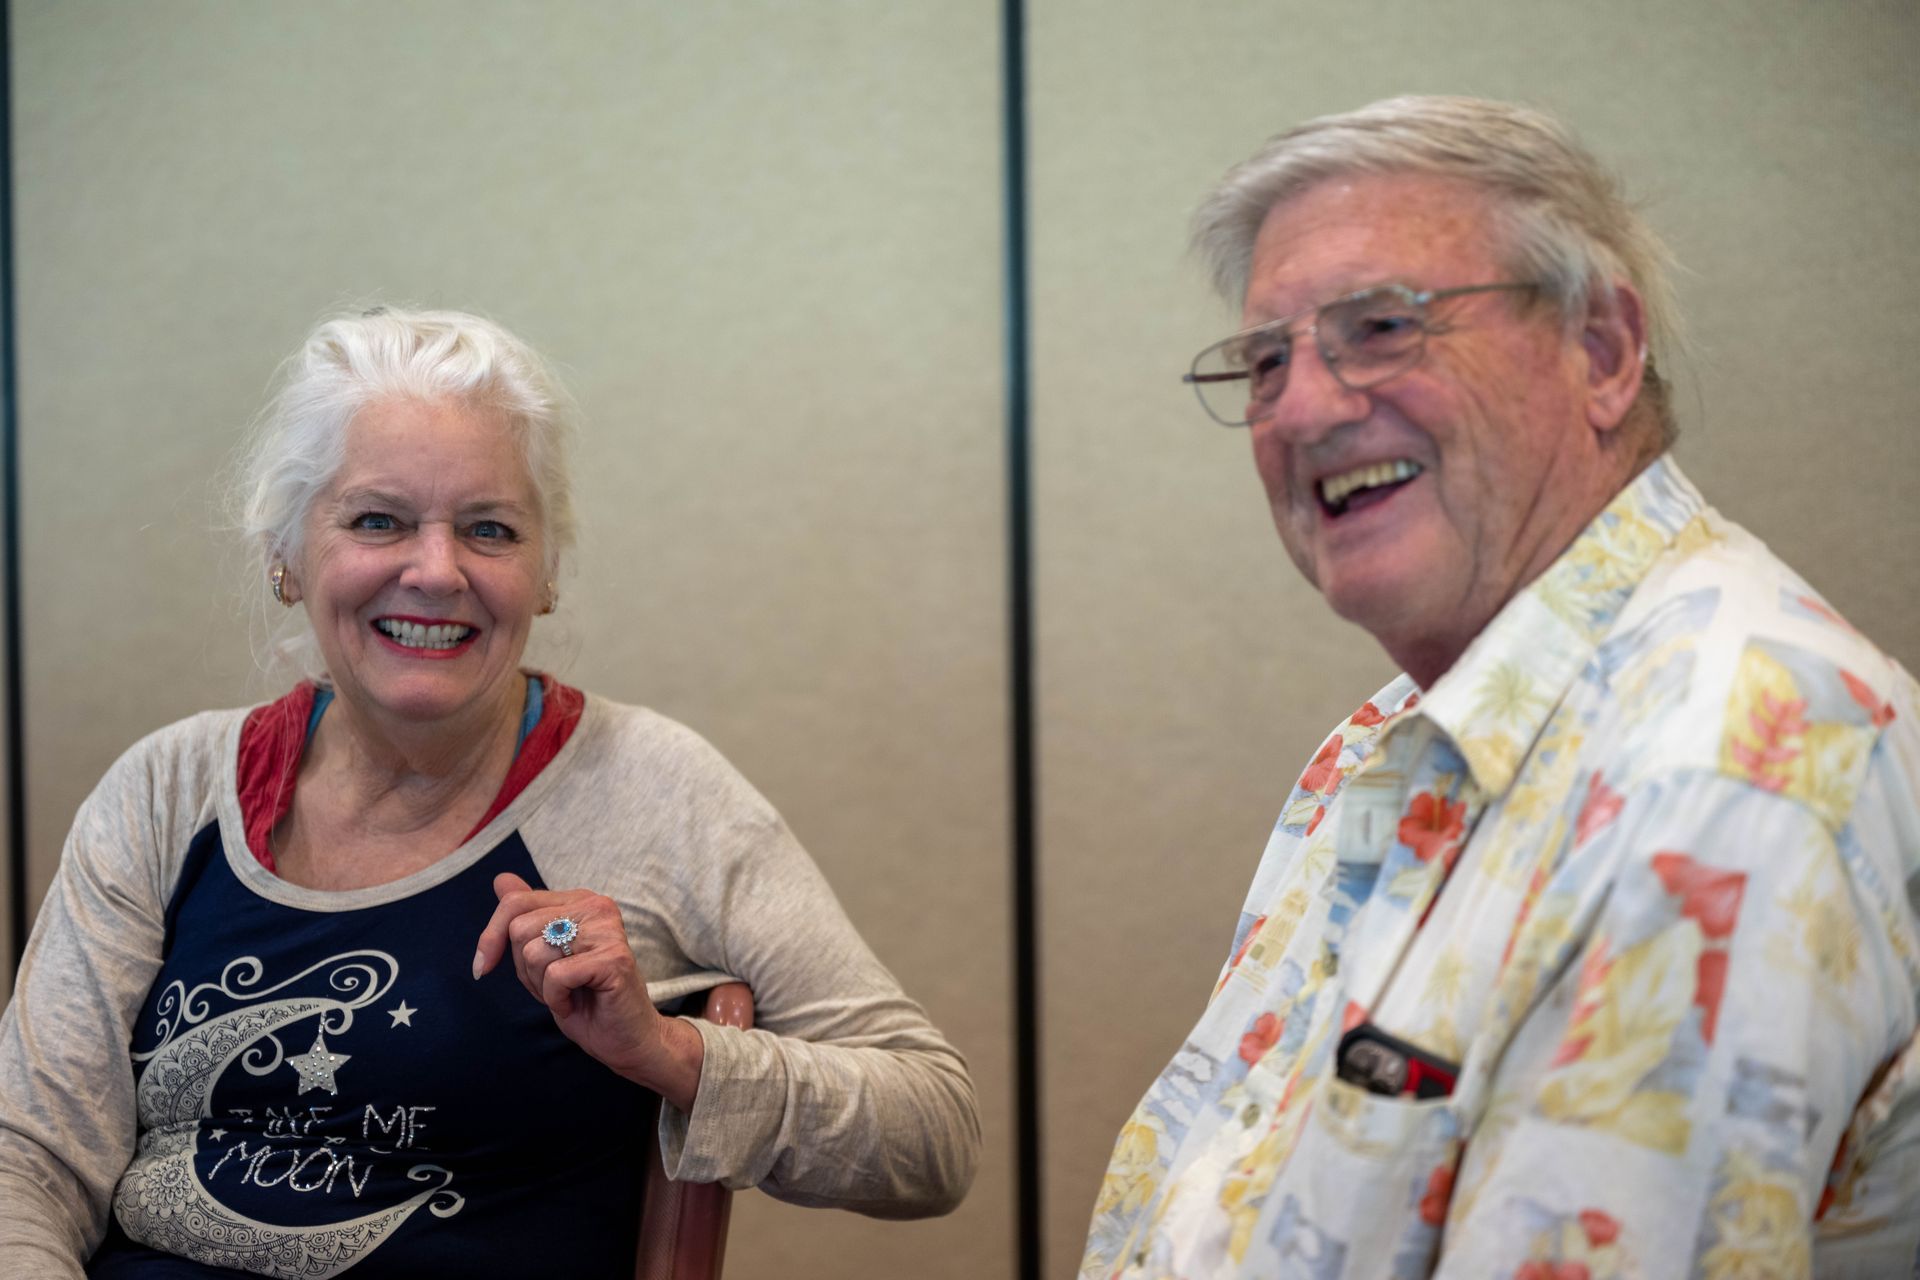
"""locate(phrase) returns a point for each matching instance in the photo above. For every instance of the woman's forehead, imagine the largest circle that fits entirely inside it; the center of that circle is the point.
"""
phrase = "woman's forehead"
(418, 450)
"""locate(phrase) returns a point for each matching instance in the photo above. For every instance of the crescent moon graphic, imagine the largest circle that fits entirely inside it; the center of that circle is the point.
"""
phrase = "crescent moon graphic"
(161, 1201)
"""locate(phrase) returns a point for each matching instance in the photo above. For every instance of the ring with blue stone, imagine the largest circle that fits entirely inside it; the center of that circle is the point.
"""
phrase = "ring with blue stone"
(560, 932)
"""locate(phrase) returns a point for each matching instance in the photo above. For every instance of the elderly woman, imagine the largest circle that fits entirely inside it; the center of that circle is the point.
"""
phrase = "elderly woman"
(367, 977)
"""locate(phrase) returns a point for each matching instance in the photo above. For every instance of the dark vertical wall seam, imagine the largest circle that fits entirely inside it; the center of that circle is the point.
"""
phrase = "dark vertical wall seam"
(1026, 977)
(10, 498)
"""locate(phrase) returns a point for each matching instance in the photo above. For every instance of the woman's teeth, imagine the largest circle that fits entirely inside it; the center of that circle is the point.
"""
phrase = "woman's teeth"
(415, 636)
(1335, 490)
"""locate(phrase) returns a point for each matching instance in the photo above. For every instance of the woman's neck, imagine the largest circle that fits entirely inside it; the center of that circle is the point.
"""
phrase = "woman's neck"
(374, 801)
(383, 755)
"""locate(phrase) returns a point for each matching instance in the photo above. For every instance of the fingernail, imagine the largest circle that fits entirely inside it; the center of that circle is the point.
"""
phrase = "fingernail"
(477, 962)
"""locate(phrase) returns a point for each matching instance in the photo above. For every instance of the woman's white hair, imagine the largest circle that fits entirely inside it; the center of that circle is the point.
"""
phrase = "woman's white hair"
(1567, 223)
(354, 360)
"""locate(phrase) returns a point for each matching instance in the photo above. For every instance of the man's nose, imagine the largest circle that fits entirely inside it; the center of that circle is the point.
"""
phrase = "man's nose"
(1314, 401)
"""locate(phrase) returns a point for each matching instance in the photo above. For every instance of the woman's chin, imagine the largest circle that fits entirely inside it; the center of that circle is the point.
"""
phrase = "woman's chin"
(433, 696)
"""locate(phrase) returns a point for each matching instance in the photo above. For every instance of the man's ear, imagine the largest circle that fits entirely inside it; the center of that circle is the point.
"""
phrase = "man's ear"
(1614, 339)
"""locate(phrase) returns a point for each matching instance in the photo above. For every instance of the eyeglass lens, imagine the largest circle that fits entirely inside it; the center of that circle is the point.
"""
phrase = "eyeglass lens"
(1365, 339)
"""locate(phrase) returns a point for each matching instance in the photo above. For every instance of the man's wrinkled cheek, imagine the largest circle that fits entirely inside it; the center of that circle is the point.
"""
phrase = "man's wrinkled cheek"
(1304, 563)
(1270, 460)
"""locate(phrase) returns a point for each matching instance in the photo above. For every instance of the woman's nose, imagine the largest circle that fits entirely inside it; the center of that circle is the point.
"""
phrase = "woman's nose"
(435, 565)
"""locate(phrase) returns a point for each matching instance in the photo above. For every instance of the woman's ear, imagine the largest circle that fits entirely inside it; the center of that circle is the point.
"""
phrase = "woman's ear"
(282, 581)
(1614, 339)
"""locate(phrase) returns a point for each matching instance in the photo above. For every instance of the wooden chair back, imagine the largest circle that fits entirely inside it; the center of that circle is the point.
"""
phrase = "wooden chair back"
(683, 1225)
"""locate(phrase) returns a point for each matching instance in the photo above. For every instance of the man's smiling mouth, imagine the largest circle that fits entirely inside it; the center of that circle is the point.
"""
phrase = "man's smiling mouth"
(1364, 485)
(414, 636)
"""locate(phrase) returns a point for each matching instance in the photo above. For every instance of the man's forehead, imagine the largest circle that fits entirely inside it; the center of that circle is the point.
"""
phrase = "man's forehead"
(1353, 231)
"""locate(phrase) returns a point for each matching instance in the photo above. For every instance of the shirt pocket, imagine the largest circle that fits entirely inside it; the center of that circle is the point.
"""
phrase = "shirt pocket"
(1365, 1189)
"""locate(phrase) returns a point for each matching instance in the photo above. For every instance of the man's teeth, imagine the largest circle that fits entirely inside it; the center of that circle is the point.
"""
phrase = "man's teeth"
(1335, 490)
(415, 636)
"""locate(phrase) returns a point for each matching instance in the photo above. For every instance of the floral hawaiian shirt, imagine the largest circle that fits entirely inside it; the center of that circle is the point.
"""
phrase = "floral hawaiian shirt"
(1645, 866)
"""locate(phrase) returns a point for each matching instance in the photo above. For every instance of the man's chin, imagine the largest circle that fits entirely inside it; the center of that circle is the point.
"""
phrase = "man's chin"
(1380, 604)
(1393, 609)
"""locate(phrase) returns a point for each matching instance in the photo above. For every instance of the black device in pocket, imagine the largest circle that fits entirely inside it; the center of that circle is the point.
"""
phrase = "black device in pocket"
(1387, 1065)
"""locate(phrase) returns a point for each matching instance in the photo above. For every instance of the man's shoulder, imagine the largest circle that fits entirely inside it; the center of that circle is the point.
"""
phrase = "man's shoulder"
(1722, 588)
(1726, 660)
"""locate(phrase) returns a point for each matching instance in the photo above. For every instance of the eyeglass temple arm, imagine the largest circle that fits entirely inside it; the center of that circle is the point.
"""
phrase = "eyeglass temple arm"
(1213, 377)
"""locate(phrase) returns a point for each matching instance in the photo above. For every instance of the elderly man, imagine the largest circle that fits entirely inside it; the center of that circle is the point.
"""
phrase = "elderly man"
(1588, 946)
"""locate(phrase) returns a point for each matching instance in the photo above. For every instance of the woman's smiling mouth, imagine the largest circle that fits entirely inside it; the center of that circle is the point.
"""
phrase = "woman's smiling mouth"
(434, 637)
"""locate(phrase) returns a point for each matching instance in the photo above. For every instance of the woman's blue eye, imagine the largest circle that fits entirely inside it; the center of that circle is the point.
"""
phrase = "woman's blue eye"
(375, 522)
(492, 529)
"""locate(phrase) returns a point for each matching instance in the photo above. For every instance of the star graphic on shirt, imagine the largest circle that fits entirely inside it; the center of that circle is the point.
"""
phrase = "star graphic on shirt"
(216, 1135)
(403, 1016)
(316, 1067)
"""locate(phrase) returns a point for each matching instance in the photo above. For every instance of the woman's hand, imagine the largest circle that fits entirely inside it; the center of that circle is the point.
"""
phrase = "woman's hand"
(597, 995)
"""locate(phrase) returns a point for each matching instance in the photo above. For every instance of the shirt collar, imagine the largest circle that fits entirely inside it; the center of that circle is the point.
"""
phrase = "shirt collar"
(1496, 699)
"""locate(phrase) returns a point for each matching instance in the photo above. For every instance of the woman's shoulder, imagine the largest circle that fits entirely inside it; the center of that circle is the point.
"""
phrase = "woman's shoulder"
(647, 809)
(193, 746)
(161, 789)
(624, 736)
(636, 759)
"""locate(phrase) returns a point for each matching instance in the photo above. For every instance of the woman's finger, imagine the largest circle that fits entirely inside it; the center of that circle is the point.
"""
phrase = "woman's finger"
(557, 983)
(550, 934)
(512, 893)
(596, 975)
(530, 960)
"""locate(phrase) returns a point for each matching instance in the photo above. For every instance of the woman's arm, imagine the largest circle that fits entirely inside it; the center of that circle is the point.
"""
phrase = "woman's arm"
(67, 1122)
(843, 1094)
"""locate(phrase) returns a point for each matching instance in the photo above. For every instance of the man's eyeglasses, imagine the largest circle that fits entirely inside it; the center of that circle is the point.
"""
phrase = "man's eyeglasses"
(1364, 338)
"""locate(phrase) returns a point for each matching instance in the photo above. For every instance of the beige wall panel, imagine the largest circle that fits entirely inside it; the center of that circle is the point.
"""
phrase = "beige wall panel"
(1186, 673)
(7, 941)
(763, 241)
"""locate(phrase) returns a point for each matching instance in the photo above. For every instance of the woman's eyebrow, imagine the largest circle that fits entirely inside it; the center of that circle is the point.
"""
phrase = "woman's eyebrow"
(360, 497)
(369, 496)
(496, 506)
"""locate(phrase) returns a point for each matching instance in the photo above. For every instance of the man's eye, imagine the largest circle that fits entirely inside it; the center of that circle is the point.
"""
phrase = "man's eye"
(493, 531)
(1264, 358)
(375, 522)
(1382, 327)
